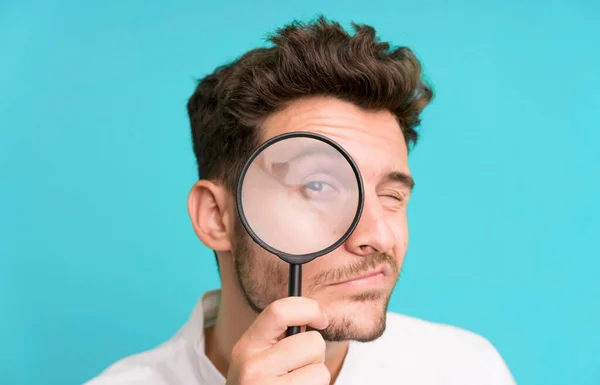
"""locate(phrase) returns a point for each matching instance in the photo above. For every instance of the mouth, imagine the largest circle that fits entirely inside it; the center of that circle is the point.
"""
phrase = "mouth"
(366, 279)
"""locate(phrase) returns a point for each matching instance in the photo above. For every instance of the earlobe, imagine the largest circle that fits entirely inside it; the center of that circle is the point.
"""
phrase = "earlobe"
(208, 211)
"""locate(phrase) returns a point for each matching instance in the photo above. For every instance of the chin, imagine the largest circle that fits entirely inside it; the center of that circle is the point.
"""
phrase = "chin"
(361, 317)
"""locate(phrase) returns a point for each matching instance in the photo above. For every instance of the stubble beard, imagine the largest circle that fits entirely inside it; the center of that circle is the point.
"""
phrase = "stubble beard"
(260, 293)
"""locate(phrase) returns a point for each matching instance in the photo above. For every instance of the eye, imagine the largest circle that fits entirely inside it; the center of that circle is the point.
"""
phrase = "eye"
(393, 199)
(317, 186)
(318, 190)
(398, 197)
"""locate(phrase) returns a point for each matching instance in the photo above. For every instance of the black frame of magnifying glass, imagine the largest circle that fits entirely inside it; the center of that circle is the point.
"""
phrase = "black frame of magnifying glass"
(299, 259)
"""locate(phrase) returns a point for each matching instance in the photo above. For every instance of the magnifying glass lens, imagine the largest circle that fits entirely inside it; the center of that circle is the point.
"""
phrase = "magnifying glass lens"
(300, 195)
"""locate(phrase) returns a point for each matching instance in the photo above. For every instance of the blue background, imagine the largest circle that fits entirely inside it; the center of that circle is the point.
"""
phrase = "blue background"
(98, 259)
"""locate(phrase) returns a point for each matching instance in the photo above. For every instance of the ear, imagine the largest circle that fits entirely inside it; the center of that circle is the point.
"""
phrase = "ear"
(208, 208)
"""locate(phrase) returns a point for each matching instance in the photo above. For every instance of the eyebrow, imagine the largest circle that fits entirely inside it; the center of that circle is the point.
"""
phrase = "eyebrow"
(403, 178)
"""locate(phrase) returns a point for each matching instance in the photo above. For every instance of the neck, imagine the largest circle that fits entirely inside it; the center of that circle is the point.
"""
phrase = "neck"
(234, 317)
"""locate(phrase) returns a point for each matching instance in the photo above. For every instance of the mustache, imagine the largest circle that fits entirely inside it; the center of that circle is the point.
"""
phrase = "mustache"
(364, 265)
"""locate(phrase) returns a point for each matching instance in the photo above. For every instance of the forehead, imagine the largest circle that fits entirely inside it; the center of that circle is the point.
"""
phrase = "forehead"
(373, 138)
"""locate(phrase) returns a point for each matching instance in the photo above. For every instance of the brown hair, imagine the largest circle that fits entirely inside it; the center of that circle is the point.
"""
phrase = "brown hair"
(318, 58)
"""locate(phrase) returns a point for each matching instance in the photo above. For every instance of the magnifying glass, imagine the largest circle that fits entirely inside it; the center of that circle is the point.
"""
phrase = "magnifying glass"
(299, 196)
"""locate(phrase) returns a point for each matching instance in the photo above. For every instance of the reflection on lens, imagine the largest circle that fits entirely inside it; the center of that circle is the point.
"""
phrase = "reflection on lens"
(300, 195)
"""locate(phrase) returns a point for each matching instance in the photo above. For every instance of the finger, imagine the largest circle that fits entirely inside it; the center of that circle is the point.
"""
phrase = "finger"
(292, 353)
(315, 374)
(272, 323)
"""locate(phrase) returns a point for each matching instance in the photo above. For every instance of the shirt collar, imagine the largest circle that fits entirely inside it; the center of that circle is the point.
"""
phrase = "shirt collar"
(203, 316)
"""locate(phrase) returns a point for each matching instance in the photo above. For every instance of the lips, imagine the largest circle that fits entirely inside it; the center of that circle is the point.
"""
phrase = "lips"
(364, 276)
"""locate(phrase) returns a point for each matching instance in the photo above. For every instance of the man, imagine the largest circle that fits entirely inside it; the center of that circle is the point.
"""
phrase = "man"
(367, 97)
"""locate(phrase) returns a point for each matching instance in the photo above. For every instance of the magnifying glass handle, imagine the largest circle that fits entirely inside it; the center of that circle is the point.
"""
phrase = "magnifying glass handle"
(294, 290)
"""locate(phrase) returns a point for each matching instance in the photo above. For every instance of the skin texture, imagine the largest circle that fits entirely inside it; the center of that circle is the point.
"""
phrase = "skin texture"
(334, 309)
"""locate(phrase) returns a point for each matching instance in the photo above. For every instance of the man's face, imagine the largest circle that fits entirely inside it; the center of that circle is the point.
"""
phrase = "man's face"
(353, 283)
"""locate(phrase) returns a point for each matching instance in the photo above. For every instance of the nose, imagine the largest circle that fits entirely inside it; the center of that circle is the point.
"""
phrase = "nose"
(372, 233)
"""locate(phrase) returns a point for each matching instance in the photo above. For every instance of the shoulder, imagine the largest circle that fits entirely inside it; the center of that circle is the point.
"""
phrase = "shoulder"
(128, 375)
(452, 352)
(162, 365)
(433, 334)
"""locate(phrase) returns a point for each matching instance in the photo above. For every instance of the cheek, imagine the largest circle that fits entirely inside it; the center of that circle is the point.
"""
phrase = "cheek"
(399, 225)
(265, 261)
(273, 271)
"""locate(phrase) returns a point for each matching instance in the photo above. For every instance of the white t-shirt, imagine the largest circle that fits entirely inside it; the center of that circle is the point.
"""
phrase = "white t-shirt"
(410, 352)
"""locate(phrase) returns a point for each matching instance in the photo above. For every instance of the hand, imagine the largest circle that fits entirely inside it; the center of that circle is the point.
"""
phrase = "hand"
(263, 355)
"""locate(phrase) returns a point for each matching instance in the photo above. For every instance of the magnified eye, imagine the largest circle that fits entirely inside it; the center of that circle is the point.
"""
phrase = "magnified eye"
(318, 190)
(317, 186)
